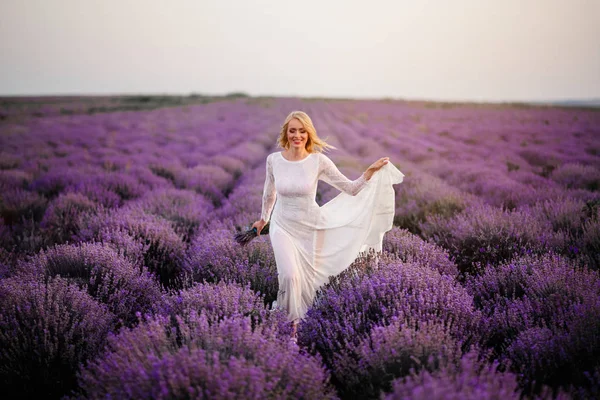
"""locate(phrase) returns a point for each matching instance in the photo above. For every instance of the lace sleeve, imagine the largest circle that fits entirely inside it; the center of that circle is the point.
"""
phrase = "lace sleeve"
(269, 193)
(329, 173)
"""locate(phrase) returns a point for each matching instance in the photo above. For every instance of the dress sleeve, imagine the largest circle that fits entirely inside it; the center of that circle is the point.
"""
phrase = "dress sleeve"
(269, 193)
(329, 173)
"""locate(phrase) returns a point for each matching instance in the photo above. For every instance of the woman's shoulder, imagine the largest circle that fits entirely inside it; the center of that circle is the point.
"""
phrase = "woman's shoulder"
(322, 157)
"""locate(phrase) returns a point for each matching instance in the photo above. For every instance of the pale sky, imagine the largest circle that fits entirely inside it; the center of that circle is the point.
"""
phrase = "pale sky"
(479, 50)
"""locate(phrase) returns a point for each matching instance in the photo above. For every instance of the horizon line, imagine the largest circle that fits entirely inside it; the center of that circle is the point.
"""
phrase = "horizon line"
(239, 93)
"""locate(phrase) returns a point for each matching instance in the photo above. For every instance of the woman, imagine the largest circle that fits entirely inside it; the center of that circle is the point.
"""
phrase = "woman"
(312, 243)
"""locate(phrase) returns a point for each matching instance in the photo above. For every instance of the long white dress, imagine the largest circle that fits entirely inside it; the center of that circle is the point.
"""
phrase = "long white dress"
(312, 243)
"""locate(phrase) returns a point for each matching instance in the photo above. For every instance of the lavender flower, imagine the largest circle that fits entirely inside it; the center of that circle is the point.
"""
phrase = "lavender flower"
(162, 248)
(412, 249)
(483, 235)
(164, 358)
(577, 175)
(215, 256)
(46, 330)
(18, 204)
(186, 210)
(107, 277)
(344, 313)
(424, 195)
(544, 301)
(60, 221)
(226, 300)
(469, 380)
(390, 352)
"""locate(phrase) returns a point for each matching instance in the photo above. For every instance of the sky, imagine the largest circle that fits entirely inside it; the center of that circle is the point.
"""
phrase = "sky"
(448, 50)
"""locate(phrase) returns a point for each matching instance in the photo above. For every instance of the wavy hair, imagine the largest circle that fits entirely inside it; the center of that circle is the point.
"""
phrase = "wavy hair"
(314, 144)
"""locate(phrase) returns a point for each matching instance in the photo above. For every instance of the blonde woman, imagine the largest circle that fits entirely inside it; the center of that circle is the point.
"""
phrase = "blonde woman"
(312, 243)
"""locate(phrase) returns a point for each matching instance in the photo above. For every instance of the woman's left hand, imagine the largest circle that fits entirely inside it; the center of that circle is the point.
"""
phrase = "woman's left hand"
(376, 166)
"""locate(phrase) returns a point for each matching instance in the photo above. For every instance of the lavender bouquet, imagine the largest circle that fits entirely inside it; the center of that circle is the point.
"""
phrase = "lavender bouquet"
(244, 238)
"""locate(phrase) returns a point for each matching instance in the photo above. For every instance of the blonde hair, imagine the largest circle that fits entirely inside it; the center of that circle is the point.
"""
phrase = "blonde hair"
(314, 144)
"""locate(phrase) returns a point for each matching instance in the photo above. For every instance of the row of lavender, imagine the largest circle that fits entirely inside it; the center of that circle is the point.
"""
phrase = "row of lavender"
(117, 230)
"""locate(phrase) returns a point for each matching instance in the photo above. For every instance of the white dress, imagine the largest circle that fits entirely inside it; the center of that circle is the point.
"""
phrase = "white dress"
(312, 243)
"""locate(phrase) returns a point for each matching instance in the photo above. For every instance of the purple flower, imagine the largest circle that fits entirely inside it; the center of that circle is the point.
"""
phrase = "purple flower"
(107, 276)
(46, 330)
(167, 358)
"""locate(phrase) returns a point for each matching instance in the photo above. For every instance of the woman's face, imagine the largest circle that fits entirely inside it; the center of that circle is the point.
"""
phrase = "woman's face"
(296, 134)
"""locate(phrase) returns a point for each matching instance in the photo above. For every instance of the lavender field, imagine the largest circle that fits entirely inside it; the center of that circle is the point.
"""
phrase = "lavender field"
(119, 276)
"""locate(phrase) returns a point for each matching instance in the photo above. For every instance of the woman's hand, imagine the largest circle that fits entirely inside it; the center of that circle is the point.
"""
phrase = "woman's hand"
(259, 225)
(376, 166)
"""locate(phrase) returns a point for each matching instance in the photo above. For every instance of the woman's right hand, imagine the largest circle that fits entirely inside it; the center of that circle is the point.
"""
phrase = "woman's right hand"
(376, 166)
(259, 225)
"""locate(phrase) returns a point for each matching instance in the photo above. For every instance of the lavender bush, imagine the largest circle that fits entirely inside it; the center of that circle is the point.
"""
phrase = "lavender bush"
(14, 179)
(344, 313)
(242, 207)
(226, 300)
(424, 196)
(23, 238)
(577, 176)
(565, 214)
(544, 301)
(210, 180)
(231, 164)
(390, 352)
(214, 256)
(9, 161)
(574, 220)
(46, 330)
(590, 244)
(162, 249)
(163, 359)
(107, 276)
(52, 183)
(469, 379)
(7, 262)
(412, 249)
(483, 235)
(124, 185)
(186, 210)
(96, 192)
(61, 219)
(19, 204)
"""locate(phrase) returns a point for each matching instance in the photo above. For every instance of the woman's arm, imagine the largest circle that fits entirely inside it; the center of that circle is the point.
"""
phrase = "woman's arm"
(329, 173)
(269, 193)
